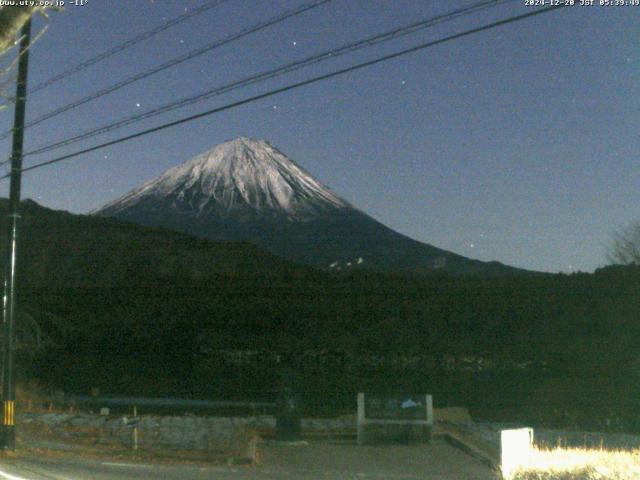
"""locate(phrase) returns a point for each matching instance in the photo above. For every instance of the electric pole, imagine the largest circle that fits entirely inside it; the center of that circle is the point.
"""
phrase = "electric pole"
(9, 300)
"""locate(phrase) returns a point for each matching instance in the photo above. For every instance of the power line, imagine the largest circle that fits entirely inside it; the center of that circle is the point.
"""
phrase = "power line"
(270, 74)
(172, 63)
(294, 86)
(127, 44)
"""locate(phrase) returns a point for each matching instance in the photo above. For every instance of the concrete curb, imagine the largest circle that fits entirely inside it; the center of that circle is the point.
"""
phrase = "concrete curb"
(453, 438)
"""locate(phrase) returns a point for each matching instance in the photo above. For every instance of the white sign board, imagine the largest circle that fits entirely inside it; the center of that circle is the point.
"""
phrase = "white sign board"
(515, 449)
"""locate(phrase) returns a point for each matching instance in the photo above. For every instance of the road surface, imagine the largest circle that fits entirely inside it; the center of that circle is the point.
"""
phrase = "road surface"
(315, 461)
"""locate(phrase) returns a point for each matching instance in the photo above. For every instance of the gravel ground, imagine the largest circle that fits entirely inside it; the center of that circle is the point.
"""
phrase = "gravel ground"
(344, 460)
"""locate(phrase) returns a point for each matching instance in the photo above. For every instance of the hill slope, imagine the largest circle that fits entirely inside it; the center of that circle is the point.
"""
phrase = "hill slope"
(59, 249)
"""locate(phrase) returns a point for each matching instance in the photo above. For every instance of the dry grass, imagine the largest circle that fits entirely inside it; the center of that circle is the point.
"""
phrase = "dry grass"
(580, 464)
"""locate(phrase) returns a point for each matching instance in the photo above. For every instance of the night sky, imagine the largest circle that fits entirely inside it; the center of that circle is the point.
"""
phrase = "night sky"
(518, 144)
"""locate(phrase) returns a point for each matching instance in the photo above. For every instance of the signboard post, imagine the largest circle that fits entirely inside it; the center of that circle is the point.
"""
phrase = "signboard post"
(399, 418)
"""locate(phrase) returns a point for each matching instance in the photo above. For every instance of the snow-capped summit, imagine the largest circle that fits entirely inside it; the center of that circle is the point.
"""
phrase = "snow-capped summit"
(242, 176)
(247, 190)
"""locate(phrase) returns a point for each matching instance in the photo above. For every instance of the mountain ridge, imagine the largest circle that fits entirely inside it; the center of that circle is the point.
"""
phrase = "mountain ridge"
(247, 190)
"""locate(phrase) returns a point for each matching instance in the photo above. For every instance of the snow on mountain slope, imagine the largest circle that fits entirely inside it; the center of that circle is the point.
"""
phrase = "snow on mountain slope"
(238, 175)
(246, 190)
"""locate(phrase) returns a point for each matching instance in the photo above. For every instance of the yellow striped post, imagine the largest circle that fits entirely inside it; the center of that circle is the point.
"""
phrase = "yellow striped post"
(9, 413)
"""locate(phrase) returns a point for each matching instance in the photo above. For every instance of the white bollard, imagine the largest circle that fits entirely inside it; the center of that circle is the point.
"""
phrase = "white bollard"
(429, 405)
(515, 450)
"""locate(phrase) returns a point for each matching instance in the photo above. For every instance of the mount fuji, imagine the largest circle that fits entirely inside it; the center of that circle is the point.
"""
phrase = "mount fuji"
(247, 190)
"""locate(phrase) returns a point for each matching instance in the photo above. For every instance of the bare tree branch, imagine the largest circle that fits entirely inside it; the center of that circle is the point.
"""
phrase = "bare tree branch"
(625, 246)
(12, 20)
(16, 60)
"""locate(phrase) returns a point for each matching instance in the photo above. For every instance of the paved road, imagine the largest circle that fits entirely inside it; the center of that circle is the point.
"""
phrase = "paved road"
(316, 461)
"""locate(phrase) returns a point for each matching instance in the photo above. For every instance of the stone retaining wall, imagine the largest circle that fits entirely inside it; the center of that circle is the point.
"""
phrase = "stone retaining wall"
(185, 432)
(173, 432)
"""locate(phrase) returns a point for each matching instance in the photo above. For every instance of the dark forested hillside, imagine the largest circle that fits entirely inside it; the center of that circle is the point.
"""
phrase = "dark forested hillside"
(145, 311)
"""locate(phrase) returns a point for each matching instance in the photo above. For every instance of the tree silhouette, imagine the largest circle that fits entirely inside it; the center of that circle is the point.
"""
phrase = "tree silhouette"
(625, 246)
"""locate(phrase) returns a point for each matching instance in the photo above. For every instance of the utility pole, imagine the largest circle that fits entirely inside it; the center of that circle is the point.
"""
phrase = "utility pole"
(9, 300)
